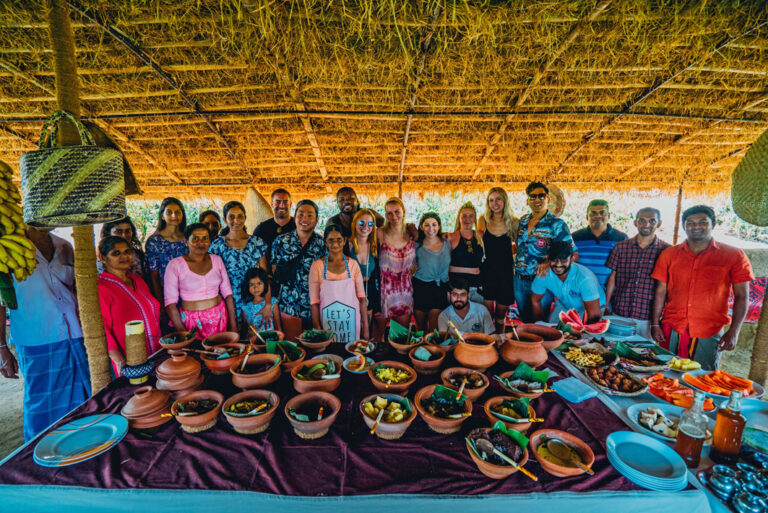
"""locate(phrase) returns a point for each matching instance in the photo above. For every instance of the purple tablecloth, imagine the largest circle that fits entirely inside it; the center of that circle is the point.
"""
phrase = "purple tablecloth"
(347, 461)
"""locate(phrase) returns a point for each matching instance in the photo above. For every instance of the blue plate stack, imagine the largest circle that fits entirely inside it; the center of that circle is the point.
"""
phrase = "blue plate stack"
(80, 440)
(622, 327)
(646, 461)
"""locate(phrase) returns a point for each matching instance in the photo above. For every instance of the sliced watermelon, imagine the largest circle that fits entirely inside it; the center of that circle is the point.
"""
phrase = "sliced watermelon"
(597, 327)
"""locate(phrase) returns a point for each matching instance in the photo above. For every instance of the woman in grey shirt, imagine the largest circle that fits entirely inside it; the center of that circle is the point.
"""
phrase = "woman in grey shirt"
(430, 282)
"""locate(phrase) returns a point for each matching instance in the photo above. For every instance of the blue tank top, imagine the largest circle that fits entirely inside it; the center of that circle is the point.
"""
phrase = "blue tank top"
(433, 266)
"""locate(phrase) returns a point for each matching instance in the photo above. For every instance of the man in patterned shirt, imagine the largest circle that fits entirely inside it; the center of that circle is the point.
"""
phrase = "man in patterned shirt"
(537, 231)
(629, 290)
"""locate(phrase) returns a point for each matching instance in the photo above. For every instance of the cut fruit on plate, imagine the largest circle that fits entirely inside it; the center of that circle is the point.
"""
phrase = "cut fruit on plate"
(672, 391)
(721, 383)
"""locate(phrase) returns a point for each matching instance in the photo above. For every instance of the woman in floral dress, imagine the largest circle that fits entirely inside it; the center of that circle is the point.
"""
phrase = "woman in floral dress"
(396, 257)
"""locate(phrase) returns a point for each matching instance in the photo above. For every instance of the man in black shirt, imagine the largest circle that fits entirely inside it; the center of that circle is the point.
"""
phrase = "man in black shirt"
(346, 198)
(281, 222)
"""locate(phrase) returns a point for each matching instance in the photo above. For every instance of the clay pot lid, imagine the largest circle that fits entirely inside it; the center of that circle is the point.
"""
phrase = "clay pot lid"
(178, 366)
(145, 401)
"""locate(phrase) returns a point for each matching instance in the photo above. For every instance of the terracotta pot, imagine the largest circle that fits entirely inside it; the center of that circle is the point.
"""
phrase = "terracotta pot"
(473, 393)
(515, 393)
(222, 366)
(395, 388)
(476, 352)
(438, 424)
(308, 385)
(177, 368)
(288, 366)
(219, 339)
(587, 456)
(198, 423)
(403, 348)
(552, 337)
(177, 345)
(258, 346)
(338, 360)
(528, 349)
(495, 471)
(317, 428)
(146, 407)
(447, 348)
(431, 366)
(388, 430)
(316, 347)
(522, 427)
(257, 423)
(259, 380)
(179, 389)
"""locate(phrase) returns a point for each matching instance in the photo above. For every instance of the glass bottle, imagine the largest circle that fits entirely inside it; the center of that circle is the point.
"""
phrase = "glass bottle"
(729, 427)
(691, 431)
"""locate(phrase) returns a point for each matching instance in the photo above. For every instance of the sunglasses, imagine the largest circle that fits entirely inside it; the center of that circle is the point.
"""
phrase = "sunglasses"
(540, 196)
(363, 223)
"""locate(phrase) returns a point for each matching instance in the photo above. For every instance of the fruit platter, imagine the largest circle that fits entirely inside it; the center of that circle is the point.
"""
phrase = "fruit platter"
(720, 383)
(671, 391)
(616, 381)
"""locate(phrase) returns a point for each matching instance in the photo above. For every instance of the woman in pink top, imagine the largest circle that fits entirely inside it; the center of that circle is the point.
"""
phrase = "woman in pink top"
(336, 291)
(124, 297)
(200, 280)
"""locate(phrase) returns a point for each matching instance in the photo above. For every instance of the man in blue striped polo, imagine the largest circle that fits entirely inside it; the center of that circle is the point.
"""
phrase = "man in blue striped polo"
(596, 241)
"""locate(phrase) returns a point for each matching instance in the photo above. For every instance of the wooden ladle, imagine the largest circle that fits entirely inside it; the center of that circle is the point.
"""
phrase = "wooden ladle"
(566, 453)
(487, 447)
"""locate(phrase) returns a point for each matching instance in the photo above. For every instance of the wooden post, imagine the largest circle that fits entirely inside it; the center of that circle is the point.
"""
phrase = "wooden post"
(677, 213)
(758, 370)
(68, 98)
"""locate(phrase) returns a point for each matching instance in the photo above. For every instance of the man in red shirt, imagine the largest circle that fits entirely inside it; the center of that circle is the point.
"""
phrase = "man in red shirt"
(694, 280)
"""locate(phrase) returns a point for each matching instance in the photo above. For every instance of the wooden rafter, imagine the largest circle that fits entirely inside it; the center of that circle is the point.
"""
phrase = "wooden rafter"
(575, 31)
(108, 128)
(658, 84)
(137, 51)
(415, 86)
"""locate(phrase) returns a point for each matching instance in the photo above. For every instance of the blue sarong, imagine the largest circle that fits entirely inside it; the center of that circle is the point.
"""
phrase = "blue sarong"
(56, 380)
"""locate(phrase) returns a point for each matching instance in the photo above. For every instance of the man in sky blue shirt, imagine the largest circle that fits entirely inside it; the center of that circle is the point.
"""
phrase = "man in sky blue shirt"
(596, 241)
(572, 284)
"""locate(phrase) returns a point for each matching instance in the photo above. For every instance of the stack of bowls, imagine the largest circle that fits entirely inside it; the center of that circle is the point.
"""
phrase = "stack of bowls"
(179, 374)
(723, 483)
(622, 327)
(147, 408)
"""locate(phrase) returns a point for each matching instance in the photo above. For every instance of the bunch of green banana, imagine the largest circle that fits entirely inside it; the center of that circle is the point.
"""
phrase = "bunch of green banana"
(17, 253)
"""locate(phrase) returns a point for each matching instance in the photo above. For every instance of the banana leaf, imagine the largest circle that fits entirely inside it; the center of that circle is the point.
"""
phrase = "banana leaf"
(7, 293)
(422, 354)
(291, 348)
(398, 333)
(524, 371)
(624, 351)
(443, 393)
(518, 437)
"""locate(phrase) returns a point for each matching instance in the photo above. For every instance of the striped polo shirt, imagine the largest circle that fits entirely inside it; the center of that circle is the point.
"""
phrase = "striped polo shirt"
(594, 251)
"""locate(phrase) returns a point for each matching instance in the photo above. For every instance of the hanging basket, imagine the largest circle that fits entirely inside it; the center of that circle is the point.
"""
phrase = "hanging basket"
(749, 184)
(71, 185)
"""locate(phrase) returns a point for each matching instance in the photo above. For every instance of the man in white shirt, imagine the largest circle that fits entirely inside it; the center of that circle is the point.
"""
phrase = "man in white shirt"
(467, 316)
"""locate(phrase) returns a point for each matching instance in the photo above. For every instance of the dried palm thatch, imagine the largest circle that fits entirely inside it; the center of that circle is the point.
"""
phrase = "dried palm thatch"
(210, 97)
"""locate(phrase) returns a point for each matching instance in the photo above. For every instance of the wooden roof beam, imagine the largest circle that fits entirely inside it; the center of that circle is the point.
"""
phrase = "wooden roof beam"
(137, 51)
(415, 86)
(536, 78)
(108, 128)
(658, 84)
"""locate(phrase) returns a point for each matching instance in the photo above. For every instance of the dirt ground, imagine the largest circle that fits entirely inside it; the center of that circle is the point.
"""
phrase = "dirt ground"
(12, 392)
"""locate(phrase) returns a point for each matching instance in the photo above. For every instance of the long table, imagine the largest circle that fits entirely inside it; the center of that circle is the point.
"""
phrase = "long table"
(347, 469)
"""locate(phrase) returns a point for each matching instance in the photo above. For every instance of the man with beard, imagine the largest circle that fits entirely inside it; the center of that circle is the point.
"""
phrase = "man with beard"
(467, 316)
(595, 242)
(629, 290)
(281, 223)
(346, 199)
(694, 279)
(572, 284)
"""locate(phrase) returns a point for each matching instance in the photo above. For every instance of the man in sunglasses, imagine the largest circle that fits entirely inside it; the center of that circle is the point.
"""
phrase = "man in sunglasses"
(538, 230)
(596, 241)
(346, 199)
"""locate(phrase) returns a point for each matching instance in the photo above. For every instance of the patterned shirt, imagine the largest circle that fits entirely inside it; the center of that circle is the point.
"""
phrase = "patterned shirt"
(532, 249)
(594, 251)
(159, 252)
(633, 293)
(251, 312)
(238, 262)
(294, 297)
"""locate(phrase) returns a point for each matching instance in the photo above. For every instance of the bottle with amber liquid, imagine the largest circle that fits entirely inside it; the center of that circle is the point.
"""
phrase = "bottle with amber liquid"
(729, 427)
(691, 431)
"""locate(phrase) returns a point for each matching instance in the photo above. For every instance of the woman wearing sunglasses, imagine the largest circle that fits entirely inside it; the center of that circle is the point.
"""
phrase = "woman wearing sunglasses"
(363, 248)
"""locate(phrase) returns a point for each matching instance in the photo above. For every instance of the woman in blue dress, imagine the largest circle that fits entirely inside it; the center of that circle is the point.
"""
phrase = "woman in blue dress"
(165, 244)
(239, 251)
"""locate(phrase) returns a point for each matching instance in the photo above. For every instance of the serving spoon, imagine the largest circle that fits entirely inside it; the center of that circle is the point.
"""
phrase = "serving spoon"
(566, 453)
(487, 447)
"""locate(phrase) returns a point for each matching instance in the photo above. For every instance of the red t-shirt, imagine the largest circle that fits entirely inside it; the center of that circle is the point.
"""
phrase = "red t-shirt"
(698, 285)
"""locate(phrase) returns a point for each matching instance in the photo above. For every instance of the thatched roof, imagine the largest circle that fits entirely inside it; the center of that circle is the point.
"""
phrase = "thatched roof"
(209, 96)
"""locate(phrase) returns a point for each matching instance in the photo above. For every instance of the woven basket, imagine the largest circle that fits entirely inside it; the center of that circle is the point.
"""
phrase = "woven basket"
(71, 185)
(749, 184)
